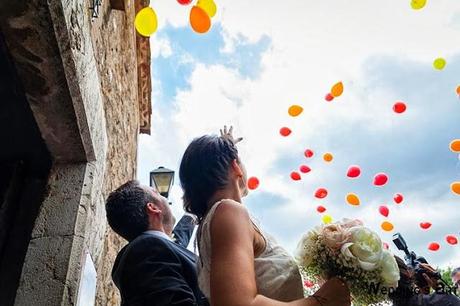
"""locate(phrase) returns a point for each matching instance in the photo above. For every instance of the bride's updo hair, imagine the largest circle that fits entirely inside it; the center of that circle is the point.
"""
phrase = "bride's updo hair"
(204, 170)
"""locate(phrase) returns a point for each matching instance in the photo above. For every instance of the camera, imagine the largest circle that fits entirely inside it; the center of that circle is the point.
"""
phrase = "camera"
(414, 262)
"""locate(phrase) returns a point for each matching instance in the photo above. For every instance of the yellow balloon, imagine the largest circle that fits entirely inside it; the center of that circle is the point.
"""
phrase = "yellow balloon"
(455, 187)
(328, 157)
(439, 63)
(146, 22)
(353, 199)
(455, 146)
(418, 4)
(326, 219)
(209, 6)
(387, 226)
(337, 90)
(295, 110)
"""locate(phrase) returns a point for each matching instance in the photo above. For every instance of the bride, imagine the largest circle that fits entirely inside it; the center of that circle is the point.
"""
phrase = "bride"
(240, 265)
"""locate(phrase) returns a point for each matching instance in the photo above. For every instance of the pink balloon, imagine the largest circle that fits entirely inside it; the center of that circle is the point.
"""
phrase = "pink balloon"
(305, 169)
(386, 246)
(354, 171)
(380, 179)
(398, 198)
(321, 193)
(384, 211)
(309, 153)
(329, 97)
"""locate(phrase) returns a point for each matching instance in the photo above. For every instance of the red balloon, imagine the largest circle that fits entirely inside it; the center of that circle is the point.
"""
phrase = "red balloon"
(380, 179)
(399, 107)
(305, 169)
(253, 183)
(308, 284)
(425, 225)
(184, 2)
(295, 176)
(434, 246)
(398, 198)
(384, 211)
(354, 171)
(320, 209)
(309, 153)
(451, 239)
(329, 97)
(285, 131)
(321, 193)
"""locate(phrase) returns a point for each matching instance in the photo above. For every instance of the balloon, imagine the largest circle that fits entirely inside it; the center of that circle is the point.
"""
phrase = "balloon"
(209, 6)
(455, 146)
(387, 226)
(384, 211)
(253, 183)
(418, 4)
(337, 90)
(425, 225)
(184, 2)
(329, 97)
(285, 131)
(398, 198)
(399, 107)
(451, 239)
(308, 284)
(309, 153)
(199, 20)
(295, 176)
(455, 187)
(320, 209)
(439, 63)
(458, 90)
(304, 169)
(380, 179)
(386, 246)
(295, 110)
(434, 246)
(326, 219)
(146, 22)
(353, 199)
(321, 193)
(354, 171)
(328, 157)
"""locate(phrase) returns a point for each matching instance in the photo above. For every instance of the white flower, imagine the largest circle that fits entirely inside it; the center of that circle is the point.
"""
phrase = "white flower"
(306, 248)
(365, 246)
(390, 269)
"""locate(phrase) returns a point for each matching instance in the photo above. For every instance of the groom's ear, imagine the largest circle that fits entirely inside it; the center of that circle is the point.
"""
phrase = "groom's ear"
(153, 208)
(236, 168)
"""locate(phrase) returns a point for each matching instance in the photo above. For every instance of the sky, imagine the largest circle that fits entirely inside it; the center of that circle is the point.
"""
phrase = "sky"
(260, 57)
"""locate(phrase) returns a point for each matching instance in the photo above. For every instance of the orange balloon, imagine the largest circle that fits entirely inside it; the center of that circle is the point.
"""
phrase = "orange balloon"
(387, 226)
(295, 110)
(455, 187)
(199, 20)
(455, 146)
(337, 90)
(458, 90)
(328, 157)
(353, 199)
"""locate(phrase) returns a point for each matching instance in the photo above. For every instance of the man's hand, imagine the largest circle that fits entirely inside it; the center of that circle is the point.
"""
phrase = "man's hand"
(429, 277)
(229, 136)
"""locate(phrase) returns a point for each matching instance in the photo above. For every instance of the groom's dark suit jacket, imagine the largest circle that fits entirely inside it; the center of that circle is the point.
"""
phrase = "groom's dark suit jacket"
(153, 270)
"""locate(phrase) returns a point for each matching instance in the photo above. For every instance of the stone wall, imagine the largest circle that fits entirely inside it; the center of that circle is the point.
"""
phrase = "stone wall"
(114, 44)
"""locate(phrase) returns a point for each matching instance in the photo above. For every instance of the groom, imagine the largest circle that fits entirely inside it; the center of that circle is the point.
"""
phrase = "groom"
(154, 268)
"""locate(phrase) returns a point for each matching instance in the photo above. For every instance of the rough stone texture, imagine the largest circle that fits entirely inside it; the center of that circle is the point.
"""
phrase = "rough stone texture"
(115, 51)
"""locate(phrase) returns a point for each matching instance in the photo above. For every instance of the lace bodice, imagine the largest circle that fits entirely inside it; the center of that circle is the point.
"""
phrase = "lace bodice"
(277, 274)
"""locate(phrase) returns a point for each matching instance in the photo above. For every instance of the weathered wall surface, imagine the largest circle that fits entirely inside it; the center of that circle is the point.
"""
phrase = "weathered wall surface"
(115, 49)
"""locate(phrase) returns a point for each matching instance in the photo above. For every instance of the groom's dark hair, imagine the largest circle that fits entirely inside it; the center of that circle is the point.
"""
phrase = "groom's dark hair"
(125, 210)
(204, 170)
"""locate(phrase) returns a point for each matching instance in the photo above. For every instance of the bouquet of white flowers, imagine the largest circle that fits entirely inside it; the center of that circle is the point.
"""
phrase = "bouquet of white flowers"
(353, 253)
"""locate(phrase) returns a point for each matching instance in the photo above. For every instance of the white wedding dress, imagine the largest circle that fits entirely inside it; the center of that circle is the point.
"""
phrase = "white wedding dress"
(277, 274)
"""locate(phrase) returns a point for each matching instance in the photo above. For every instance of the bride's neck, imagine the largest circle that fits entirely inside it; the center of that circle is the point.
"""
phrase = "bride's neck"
(230, 192)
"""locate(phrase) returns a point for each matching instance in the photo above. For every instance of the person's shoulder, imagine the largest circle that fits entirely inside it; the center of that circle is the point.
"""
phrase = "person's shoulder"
(149, 244)
(231, 207)
(230, 215)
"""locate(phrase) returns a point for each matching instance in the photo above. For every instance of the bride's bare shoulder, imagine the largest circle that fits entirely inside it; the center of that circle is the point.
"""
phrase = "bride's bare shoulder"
(230, 214)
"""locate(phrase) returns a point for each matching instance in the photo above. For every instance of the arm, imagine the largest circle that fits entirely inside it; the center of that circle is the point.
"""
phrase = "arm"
(184, 230)
(156, 278)
(232, 262)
